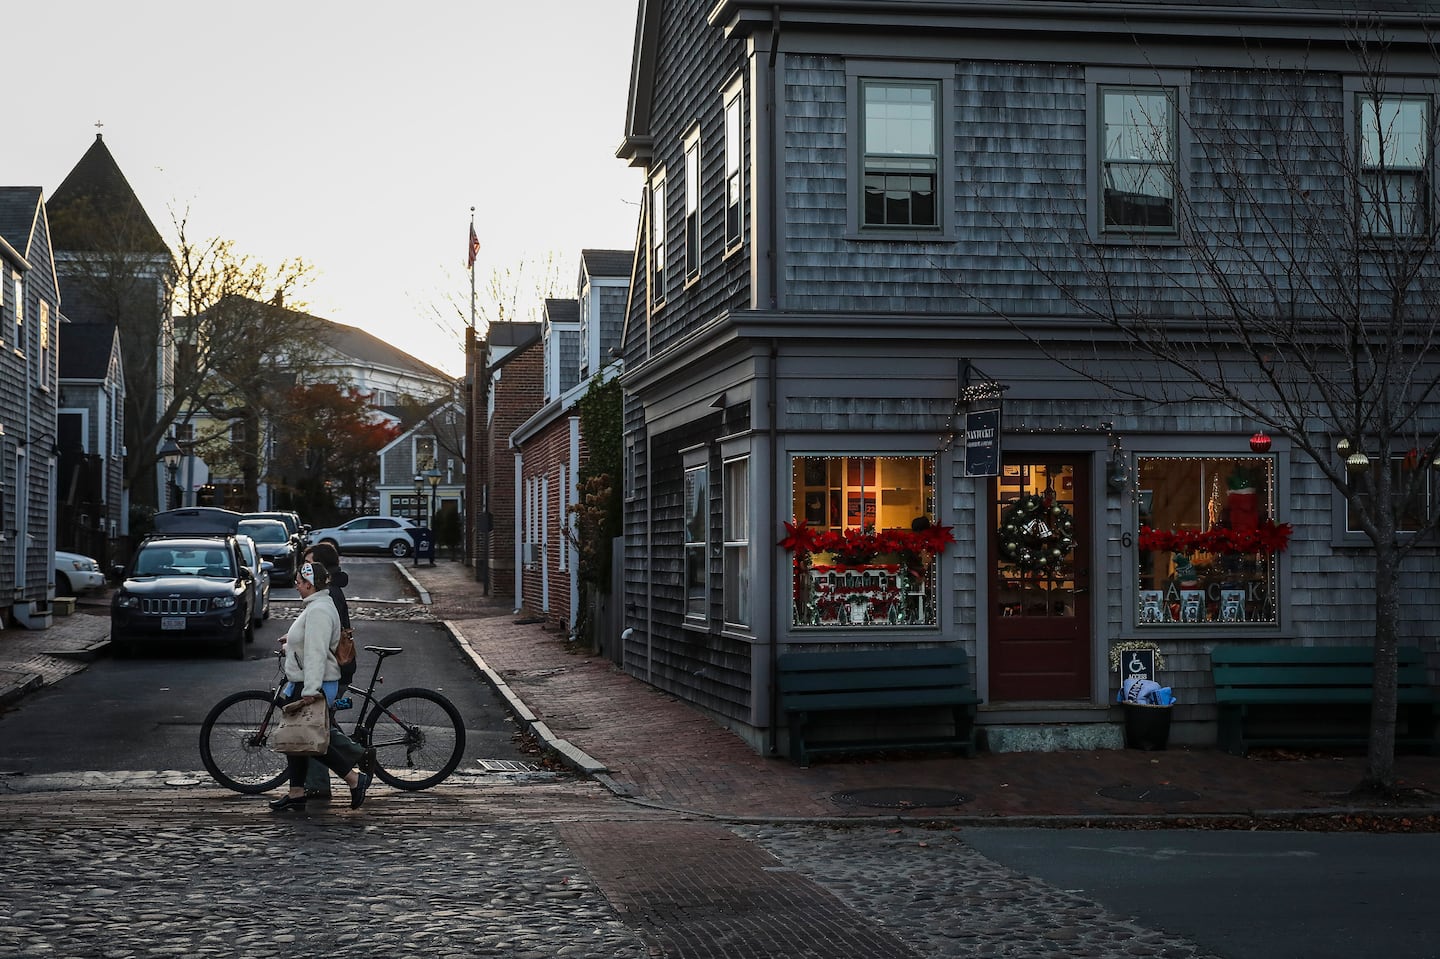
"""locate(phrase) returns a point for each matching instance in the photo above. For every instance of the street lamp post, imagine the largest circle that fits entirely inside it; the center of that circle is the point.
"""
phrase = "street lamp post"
(433, 476)
(170, 455)
(419, 494)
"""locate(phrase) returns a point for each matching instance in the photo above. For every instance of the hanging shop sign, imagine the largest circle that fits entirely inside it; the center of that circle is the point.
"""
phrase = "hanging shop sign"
(982, 443)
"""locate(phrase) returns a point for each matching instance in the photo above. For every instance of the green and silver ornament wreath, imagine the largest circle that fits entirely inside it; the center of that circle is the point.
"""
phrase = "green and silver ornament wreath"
(1036, 533)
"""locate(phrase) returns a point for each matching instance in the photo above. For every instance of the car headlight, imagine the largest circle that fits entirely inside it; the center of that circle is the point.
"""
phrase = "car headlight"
(126, 601)
(223, 602)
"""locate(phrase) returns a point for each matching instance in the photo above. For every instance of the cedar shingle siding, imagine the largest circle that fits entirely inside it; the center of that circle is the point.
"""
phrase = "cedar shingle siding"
(819, 338)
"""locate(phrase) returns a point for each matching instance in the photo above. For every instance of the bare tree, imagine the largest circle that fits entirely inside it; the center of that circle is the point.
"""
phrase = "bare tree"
(1303, 294)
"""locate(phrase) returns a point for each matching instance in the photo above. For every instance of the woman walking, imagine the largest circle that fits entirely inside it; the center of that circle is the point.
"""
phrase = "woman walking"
(312, 672)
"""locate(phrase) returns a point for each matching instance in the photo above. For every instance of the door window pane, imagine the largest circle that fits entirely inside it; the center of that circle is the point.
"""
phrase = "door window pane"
(1035, 540)
(697, 514)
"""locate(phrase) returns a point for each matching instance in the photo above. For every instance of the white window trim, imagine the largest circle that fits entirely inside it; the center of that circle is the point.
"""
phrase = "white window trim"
(734, 106)
(696, 459)
(659, 240)
(943, 75)
(694, 235)
(1178, 81)
(727, 544)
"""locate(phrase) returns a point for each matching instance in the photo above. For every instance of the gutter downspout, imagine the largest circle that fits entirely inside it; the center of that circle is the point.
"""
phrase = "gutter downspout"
(772, 201)
(774, 408)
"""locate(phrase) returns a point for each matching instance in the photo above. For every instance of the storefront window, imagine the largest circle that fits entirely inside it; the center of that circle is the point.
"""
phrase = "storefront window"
(1208, 541)
(864, 541)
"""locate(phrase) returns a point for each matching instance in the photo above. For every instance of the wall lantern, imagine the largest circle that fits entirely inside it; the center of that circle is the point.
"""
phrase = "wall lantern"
(1260, 441)
(1357, 462)
(1342, 446)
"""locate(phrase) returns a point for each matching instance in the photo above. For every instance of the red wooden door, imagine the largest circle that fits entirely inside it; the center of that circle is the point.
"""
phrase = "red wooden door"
(1040, 579)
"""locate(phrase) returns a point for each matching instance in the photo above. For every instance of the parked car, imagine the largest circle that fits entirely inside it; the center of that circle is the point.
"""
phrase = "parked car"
(260, 585)
(183, 587)
(275, 545)
(298, 530)
(385, 534)
(75, 574)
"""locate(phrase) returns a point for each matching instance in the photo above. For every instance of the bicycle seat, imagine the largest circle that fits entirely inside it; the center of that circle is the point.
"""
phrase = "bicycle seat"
(385, 650)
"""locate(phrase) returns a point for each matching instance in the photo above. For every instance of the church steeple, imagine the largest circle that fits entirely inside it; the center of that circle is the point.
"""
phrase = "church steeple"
(95, 208)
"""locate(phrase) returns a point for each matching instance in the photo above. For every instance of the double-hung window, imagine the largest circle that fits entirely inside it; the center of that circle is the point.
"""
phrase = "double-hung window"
(736, 523)
(733, 127)
(657, 238)
(692, 205)
(1138, 150)
(697, 540)
(900, 158)
(1394, 175)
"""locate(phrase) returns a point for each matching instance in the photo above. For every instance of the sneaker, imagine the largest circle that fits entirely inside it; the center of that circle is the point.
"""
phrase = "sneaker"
(342, 703)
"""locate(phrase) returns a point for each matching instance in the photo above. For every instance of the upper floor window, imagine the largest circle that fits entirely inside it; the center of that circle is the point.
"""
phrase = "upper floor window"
(19, 312)
(424, 452)
(692, 205)
(43, 374)
(657, 238)
(1138, 152)
(733, 217)
(900, 123)
(1394, 176)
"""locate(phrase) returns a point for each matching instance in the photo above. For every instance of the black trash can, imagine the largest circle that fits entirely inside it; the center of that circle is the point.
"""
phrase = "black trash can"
(1147, 726)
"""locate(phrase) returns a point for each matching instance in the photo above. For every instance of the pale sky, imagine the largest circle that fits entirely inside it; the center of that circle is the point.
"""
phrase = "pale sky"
(356, 135)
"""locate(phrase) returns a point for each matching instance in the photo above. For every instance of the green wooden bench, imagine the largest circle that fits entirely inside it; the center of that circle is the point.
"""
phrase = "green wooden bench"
(869, 681)
(1314, 696)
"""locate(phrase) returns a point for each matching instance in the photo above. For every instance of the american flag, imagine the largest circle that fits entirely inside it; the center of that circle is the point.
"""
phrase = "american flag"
(474, 247)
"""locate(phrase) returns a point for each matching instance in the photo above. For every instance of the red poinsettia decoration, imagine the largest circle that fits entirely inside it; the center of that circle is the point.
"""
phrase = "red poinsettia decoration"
(1265, 537)
(857, 547)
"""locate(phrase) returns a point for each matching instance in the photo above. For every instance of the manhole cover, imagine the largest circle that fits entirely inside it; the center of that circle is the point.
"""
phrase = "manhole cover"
(901, 797)
(1161, 793)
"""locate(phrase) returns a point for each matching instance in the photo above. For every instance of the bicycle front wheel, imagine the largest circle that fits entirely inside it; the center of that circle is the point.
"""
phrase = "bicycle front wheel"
(235, 743)
(418, 738)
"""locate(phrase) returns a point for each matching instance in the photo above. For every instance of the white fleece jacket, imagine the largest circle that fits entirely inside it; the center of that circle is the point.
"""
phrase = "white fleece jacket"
(310, 644)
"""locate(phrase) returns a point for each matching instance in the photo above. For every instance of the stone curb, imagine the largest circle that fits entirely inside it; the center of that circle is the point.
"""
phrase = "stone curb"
(15, 685)
(573, 756)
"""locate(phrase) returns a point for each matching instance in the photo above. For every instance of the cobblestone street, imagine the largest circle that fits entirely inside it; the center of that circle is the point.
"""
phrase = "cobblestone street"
(528, 871)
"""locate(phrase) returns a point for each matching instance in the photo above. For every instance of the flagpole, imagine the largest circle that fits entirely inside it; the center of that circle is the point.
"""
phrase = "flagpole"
(473, 245)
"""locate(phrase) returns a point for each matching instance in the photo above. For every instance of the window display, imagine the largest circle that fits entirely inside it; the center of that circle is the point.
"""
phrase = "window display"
(1207, 540)
(864, 541)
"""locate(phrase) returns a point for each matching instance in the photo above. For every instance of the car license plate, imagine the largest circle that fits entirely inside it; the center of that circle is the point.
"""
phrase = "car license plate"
(172, 622)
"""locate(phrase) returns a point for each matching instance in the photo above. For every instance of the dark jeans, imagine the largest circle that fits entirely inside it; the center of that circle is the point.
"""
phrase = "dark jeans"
(343, 748)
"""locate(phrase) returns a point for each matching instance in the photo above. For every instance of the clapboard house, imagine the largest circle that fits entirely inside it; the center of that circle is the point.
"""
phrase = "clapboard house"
(874, 395)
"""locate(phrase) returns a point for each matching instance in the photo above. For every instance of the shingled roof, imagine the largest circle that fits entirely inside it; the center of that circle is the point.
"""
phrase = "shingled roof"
(85, 350)
(19, 206)
(95, 208)
(608, 262)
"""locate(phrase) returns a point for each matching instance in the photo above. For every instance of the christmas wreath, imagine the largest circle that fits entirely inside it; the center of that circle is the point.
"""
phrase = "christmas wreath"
(1036, 533)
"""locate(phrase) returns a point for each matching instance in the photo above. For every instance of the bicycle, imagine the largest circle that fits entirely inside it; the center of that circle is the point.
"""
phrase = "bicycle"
(417, 734)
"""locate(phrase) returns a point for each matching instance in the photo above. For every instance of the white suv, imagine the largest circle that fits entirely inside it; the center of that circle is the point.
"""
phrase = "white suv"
(385, 534)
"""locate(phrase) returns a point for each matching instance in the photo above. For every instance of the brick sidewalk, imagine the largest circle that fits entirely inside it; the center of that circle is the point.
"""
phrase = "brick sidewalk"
(30, 658)
(657, 749)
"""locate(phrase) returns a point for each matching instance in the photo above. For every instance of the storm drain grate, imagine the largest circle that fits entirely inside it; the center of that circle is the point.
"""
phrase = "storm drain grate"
(901, 797)
(1162, 793)
(507, 766)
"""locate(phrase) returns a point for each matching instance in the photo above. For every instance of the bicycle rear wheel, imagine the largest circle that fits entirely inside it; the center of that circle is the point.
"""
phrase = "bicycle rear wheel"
(235, 743)
(418, 738)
